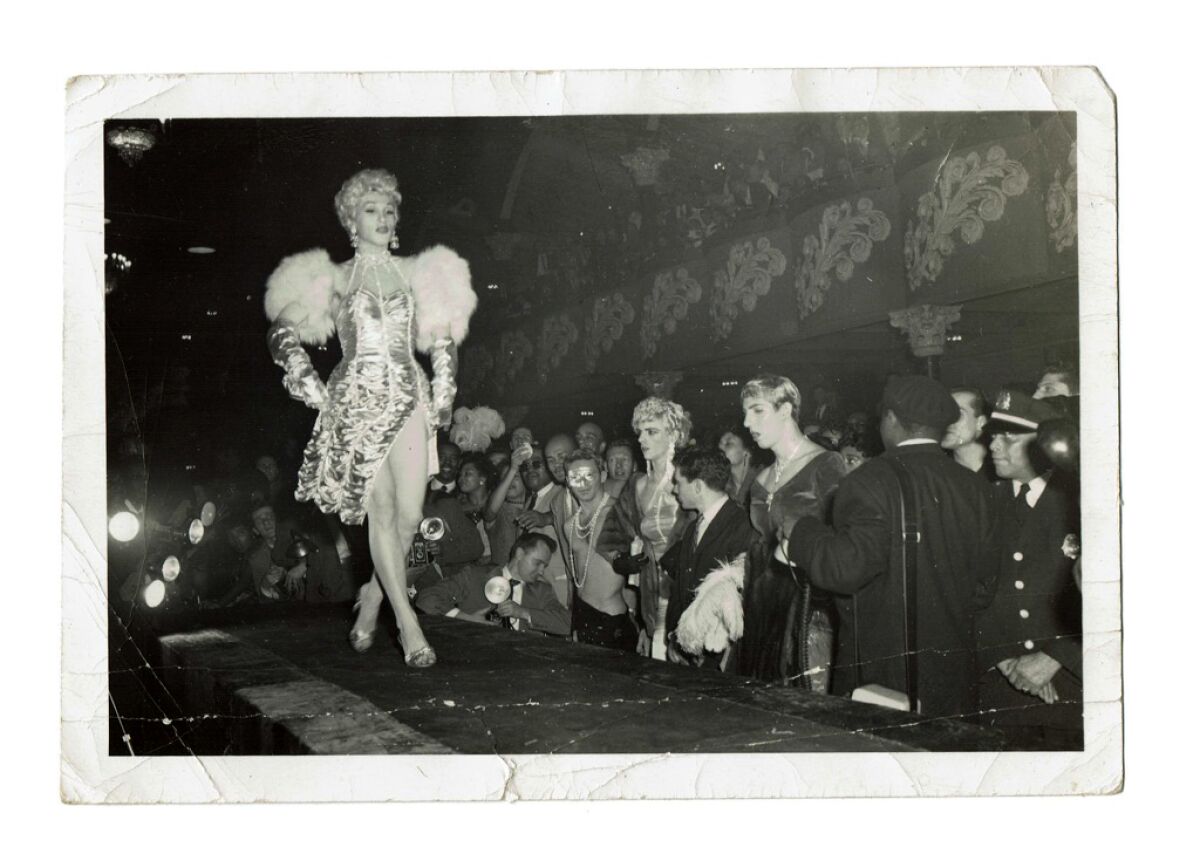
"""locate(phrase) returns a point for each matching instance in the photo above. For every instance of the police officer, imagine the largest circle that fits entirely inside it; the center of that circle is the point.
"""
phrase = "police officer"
(1030, 639)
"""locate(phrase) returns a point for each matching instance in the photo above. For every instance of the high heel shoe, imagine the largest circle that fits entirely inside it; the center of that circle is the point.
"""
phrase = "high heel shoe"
(360, 640)
(423, 658)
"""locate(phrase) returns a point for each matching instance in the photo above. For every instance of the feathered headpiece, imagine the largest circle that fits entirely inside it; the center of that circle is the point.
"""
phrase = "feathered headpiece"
(474, 429)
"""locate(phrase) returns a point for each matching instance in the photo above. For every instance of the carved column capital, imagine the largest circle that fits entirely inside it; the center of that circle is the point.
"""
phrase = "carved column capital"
(926, 327)
(659, 383)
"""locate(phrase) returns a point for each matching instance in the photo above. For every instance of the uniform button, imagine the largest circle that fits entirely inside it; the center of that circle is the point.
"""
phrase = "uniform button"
(1024, 613)
(1028, 645)
(1018, 556)
(1019, 584)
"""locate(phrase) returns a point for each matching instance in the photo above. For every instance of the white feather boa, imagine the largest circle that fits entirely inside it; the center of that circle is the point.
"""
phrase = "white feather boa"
(441, 283)
(304, 291)
(715, 618)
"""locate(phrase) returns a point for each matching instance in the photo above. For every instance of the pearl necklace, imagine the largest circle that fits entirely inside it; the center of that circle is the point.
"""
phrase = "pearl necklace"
(589, 534)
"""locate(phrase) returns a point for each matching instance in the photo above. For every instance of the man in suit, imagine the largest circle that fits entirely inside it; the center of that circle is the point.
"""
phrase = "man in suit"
(532, 605)
(861, 557)
(544, 495)
(1030, 639)
(720, 531)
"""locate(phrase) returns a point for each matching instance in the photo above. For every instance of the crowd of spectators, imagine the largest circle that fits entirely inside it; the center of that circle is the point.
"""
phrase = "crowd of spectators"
(257, 545)
(775, 547)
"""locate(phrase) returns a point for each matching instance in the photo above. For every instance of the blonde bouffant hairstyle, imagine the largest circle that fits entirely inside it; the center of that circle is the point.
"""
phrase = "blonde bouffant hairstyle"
(356, 187)
(673, 416)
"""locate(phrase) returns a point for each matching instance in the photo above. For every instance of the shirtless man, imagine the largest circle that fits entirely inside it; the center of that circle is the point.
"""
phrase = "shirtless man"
(601, 601)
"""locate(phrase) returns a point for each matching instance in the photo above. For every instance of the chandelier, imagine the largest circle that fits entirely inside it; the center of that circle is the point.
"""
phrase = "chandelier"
(131, 143)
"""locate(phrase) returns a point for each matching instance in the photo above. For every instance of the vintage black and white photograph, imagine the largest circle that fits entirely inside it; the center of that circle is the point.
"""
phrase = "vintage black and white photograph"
(555, 436)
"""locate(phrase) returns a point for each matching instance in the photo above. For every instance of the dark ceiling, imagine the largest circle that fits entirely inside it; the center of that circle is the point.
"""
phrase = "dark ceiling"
(505, 192)
(257, 190)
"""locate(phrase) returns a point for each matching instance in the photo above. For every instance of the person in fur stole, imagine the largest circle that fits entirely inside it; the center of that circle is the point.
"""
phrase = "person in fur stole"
(373, 446)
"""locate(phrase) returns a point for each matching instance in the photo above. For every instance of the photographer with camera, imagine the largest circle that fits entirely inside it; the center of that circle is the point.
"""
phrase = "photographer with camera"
(529, 603)
(505, 505)
(281, 577)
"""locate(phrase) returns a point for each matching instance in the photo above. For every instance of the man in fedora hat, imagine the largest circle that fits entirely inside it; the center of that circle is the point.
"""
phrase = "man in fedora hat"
(1031, 638)
(862, 558)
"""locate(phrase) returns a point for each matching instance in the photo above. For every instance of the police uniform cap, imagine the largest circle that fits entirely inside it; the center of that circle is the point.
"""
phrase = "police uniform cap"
(1016, 411)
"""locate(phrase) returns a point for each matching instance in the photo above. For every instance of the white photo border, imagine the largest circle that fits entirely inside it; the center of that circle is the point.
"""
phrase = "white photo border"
(90, 775)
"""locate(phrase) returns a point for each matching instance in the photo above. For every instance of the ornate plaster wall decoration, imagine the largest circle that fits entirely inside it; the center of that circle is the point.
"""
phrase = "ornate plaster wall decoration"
(610, 315)
(843, 239)
(1061, 206)
(746, 276)
(558, 334)
(925, 326)
(515, 350)
(666, 305)
(659, 383)
(969, 192)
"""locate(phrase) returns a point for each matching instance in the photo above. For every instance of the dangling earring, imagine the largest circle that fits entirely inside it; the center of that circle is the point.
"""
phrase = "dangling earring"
(354, 237)
(395, 242)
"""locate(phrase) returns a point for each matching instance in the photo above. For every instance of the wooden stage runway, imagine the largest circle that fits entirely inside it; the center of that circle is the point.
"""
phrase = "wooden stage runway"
(286, 682)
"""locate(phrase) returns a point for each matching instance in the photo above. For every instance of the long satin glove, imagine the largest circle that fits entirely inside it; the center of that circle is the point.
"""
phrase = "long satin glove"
(299, 378)
(444, 358)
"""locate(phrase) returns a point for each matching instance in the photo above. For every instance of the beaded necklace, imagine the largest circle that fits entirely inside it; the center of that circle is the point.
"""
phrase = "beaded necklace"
(582, 533)
(777, 472)
(371, 268)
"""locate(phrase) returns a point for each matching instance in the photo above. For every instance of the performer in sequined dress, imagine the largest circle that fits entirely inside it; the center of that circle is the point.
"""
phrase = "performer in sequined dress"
(373, 446)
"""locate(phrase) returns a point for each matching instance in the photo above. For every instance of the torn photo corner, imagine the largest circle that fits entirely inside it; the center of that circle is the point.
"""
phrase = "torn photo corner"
(628, 234)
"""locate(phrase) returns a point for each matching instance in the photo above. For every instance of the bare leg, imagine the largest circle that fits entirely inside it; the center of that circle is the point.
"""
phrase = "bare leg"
(395, 509)
(370, 598)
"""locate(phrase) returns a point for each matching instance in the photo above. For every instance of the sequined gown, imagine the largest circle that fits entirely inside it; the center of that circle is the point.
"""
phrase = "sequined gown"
(373, 391)
(776, 596)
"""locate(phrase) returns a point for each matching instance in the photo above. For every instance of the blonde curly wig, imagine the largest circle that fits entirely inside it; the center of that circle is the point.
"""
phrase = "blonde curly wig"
(352, 192)
(673, 416)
